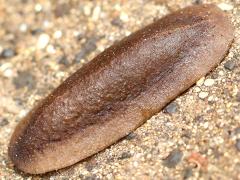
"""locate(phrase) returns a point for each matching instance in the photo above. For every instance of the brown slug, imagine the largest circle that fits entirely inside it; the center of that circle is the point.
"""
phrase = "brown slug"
(121, 88)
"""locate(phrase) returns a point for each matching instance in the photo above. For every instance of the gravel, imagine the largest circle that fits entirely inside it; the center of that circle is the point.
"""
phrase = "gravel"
(8, 53)
(238, 144)
(171, 108)
(173, 159)
(230, 65)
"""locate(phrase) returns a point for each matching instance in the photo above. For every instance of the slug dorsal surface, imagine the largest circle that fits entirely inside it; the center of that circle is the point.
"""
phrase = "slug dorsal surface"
(121, 88)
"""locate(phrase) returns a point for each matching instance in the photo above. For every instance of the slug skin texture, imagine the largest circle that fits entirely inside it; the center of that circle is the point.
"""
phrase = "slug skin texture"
(121, 88)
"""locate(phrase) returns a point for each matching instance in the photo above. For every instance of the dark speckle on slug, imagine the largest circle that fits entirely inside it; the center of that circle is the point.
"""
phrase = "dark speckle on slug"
(120, 89)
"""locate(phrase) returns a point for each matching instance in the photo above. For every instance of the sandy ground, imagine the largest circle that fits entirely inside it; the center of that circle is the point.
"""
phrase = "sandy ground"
(42, 42)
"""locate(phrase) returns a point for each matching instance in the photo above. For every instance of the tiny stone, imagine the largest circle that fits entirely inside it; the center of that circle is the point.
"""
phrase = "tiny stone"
(208, 82)
(43, 41)
(57, 34)
(23, 27)
(96, 13)
(187, 173)
(62, 9)
(238, 97)
(3, 122)
(203, 95)
(124, 17)
(38, 7)
(51, 49)
(87, 48)
(237, 131)
(238, 144)
(173, 159)
(214, 75)
(225, 6)
(8, 53)
(197, 1)
(63, 60)
(24, 79)
(8, 72)
(229, 65)
(199, 118)
(171, 108)
(125, 155)
(200, 81)
(117, 22)
(197, 89)
(131, 136)
(36, 31)
(187, 134)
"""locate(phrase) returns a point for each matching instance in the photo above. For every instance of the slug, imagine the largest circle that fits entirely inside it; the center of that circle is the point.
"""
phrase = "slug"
(121, 88)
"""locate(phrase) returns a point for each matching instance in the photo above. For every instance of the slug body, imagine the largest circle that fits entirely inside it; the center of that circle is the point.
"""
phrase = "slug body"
(121, 88)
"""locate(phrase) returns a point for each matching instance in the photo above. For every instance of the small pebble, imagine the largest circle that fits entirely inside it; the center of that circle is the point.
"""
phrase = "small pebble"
(62, 9)
(36, 31)
(3, 122)
(43, 41)
(57, 34)
(8, 72)
(87, 48)
(200, 81)
(197, 89)
(173, 159)
(199, 160)
(125, 155)
(51, 49)
(171, 108)
(225, 6)
(237, 131)
(131, 136)
(8, 53)
(187, 173)
(124, 17)
(203, 95)
(199, 119)
(208, 82)
(238, 144)
(117, 22)
(96, 13)
(63, 60)
(229, 65)
(38, 8)
(197, 1)
(24, 78)
(238, 97)
(23, 27)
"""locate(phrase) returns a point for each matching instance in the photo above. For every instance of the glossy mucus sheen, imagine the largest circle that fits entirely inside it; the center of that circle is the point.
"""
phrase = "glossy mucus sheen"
(121, 88)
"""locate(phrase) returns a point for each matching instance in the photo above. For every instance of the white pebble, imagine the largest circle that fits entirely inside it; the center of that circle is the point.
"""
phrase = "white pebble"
(51, 49)
(203, 95)
(38, 7)
(124, 17)
(225, 6)
(200, 81)
(208, 82)
(197, 89)
(96, 13)
(43, 41)
(210, 98)
(205, 125)
(87, 10)
(57, 34)
(8, 73)
(1, 49)
(47, 24)
(23, 27)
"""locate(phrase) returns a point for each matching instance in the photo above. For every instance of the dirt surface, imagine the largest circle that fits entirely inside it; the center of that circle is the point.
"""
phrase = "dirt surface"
(42, 42)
